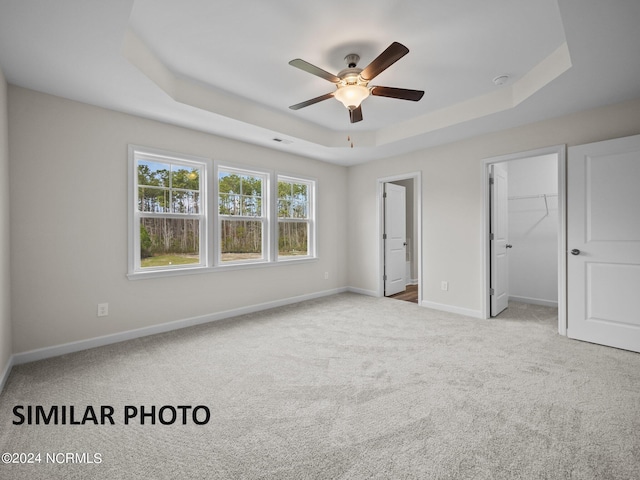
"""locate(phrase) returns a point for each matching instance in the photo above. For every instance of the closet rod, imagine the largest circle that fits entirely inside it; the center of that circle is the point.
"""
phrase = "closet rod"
(542, 195)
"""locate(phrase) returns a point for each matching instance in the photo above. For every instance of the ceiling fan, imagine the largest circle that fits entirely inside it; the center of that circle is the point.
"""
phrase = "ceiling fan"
(352, 83)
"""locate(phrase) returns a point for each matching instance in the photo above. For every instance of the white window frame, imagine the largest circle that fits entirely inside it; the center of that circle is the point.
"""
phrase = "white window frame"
(265, 218)
(310, 220)
(210, 218)
(137, 153)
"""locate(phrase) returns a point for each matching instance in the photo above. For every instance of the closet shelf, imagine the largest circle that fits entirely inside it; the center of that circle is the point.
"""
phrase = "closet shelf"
(541, 195)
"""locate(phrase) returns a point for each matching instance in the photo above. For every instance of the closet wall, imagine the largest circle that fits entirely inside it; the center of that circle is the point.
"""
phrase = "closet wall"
(411, 221)
(533, 230)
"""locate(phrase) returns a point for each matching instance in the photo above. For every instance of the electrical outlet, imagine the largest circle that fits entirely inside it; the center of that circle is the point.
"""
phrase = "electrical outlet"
(326, 275)
(444, 285)
(103, 309)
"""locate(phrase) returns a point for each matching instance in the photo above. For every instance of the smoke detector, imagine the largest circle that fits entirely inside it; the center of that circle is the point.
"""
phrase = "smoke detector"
(500, 80)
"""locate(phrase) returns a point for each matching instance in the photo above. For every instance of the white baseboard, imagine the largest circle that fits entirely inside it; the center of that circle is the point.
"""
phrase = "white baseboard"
(362, 291)
(48, 352)
(534, 301)
(6, 372)
(452, 309)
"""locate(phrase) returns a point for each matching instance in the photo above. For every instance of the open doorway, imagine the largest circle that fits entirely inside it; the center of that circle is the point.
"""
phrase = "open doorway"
(530, 250)
(410, 269)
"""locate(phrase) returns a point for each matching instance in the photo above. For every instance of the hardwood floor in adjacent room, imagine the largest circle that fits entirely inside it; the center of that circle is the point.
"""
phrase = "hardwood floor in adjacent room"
(409, 295)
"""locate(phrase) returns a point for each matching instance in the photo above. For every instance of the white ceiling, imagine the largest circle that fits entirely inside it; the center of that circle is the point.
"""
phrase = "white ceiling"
(222, 66)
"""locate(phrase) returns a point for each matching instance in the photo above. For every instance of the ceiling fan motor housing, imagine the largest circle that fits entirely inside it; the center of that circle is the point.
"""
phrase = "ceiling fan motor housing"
(350, 76)
(352, 60)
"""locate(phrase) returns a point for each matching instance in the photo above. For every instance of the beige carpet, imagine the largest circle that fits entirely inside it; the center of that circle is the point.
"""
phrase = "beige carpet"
(345, 387)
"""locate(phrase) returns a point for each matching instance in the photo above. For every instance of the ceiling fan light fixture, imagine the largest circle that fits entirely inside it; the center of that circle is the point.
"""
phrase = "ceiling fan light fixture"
(351, 96)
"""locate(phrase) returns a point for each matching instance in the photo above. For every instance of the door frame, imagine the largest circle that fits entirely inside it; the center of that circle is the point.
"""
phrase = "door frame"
(417, 206)
(560, 151)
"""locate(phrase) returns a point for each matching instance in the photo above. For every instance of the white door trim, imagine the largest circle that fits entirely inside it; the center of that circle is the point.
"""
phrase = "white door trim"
(560, 151)
(417, 205)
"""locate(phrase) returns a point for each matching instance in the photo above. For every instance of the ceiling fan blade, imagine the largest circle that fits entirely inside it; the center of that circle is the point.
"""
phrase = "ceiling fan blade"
(300, 105)
(355, 115)
(307, 67)
(400, 93)
(391, 55)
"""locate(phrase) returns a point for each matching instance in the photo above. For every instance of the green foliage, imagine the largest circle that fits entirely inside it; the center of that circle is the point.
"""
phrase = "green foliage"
(169, 259)
(292, 238)
(168, 236)
(240, 194)
(173, 188)
(153, 174)
(145, 242)
(168, 188)
(293, 200)
(165, 188)
(241, 236)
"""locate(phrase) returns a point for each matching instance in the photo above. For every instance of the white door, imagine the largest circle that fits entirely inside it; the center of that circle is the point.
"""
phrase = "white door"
(603, 240)
(498, 242)
(395, 241)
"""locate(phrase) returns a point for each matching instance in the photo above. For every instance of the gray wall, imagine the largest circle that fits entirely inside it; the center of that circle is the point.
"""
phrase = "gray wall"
(5, 283)
(533, 230)
(412, 236)
(452, 201)
(69, 226)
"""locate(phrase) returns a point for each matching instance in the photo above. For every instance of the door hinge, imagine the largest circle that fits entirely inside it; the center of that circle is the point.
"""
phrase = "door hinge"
(492, 236)
(384, 236)
(492, 291)
(384, 195)
(384, 278)
(491, 180)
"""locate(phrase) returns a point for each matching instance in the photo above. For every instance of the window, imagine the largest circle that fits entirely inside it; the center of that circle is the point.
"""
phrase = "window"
(295, 226)
(169, 221)
(187, 214)
(242, 215)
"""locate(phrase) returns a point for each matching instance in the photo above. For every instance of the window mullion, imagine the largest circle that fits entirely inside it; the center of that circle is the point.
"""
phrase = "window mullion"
(273, 218)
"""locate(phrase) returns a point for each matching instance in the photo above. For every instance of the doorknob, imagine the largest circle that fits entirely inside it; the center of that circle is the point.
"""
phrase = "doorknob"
(575, 251)
(509, 245)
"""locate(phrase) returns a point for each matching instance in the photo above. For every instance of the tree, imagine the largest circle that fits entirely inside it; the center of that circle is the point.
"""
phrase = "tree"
(240, 196)
(145, 242)
(293, 203)
(168, 188)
